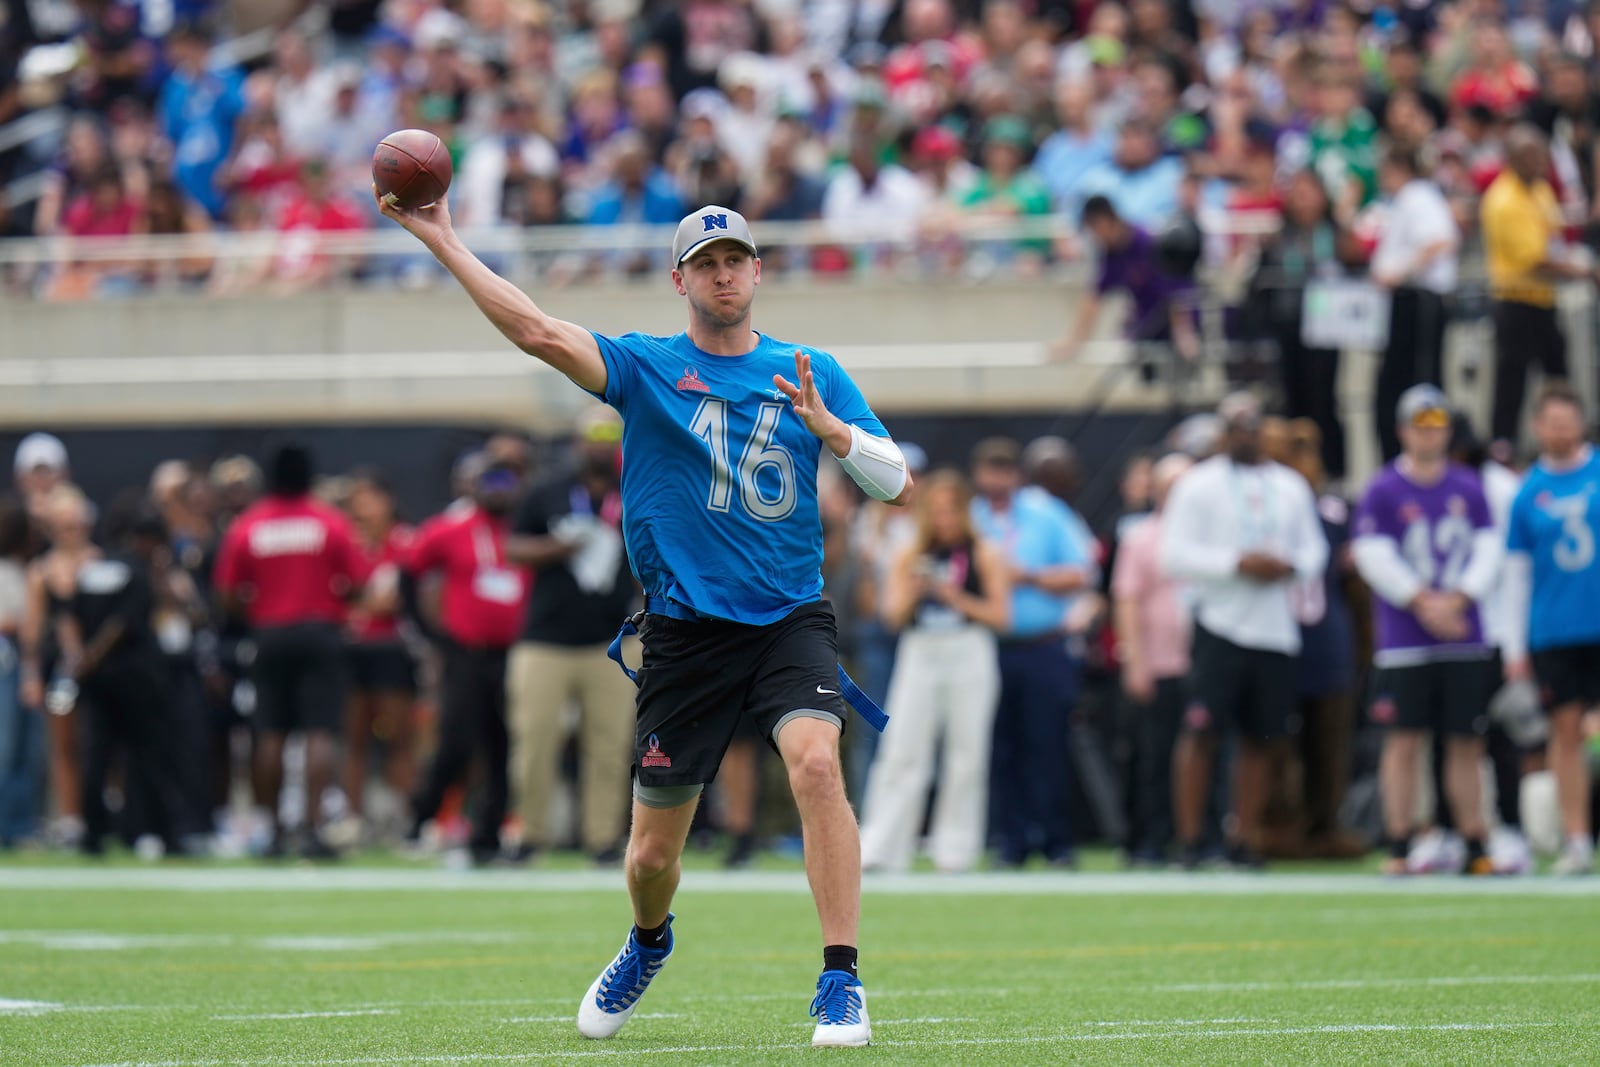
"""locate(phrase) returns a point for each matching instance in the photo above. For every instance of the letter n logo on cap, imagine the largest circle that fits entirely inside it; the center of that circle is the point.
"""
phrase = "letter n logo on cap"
(714, 222)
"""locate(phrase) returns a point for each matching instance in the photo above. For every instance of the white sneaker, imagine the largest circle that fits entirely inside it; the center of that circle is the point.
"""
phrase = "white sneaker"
(1509, 851)
(1437, 852)
(613, 996)
(1576, 858)
(840, 1008)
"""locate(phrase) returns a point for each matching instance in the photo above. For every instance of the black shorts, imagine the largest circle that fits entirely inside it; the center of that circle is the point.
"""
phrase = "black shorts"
(1569, 674)
(1235, 689)
(702, 680)
(300, 678)
(1445, 697)
(381, 667)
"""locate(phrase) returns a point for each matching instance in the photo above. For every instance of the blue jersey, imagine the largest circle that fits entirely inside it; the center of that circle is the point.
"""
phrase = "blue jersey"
(719, 476)
(1554, 519)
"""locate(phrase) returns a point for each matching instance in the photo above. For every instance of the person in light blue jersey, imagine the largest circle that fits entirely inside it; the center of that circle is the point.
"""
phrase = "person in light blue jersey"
(720, 518)
(1039, 677)
(1553, 577)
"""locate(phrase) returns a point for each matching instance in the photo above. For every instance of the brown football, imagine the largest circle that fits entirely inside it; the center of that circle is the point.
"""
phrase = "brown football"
(411, 168)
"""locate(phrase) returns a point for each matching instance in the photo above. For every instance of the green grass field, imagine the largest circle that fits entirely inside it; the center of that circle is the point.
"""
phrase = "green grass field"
(185, 967)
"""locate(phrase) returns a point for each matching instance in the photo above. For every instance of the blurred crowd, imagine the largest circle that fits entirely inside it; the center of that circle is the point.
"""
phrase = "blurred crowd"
(1239, 664)
(908, 126)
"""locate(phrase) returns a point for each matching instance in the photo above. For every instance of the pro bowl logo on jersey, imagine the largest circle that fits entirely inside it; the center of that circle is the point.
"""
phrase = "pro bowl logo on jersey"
(691, 383)
(1410, 512)
(653, 756)
(1456, 505)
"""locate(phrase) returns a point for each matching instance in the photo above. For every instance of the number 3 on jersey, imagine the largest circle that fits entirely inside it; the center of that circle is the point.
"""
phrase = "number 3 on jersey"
(761, 452)
(1575, 551)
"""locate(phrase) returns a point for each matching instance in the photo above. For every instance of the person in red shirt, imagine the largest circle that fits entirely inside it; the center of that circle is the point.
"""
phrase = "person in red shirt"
(382, 672)
(319, 209)
(288, 565)
(1497, 79)
(482, 600)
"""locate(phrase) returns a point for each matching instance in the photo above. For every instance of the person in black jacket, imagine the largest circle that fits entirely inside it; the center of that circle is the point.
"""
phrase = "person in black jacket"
(111, 656)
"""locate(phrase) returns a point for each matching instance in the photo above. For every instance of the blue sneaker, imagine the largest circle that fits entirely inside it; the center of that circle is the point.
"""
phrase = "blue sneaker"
(614, 995)
(840, 1009)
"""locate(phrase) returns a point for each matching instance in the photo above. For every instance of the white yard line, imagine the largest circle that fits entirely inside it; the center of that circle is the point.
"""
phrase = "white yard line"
(108, 941)
(1042, 883)
(27, 1007)
(275, 1015)
(1381, 983)
(1173, 1022)
(636, 1049)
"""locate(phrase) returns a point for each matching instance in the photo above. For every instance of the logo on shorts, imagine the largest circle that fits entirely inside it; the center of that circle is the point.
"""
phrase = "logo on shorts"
(1197, 716)
(653, 756)
(1384, 712)
(691, 383)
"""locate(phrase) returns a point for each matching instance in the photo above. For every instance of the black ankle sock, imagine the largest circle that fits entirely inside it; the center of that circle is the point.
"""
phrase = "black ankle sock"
(1474, 849)
(1399, 847)
(655, 937)
(840, 958)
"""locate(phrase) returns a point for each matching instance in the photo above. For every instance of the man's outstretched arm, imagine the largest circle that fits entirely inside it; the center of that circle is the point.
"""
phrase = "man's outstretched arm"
(568, 348)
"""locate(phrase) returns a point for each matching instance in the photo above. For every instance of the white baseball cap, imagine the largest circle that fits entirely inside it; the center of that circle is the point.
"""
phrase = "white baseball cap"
(40, 450)
(710, 223)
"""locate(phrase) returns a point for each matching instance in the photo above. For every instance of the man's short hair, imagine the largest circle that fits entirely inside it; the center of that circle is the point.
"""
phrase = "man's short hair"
(1099, 207)
(290, 472)
(1557, 391)
(996, 452)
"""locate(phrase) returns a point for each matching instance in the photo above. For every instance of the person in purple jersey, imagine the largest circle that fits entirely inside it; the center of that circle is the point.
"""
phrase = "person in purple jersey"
(1425, 543)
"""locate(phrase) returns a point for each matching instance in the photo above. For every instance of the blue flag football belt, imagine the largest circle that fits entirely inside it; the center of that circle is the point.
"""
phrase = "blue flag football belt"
(864, 705)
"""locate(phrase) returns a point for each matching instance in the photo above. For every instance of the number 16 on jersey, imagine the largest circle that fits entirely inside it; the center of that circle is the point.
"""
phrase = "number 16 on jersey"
(761, 452)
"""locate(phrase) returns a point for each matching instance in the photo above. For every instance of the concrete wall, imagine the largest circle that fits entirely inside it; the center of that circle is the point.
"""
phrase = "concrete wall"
(428, 355)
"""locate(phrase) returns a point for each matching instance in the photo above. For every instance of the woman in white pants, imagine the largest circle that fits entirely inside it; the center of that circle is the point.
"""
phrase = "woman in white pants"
(948, 593)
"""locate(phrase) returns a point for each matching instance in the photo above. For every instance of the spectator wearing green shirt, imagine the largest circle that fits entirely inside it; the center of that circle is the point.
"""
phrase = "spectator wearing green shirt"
(1344, 143)
(1006, 189)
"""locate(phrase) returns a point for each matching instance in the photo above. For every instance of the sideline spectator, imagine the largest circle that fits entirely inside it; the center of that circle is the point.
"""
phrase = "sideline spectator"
(568, 532)
(482, 601)
(1240, 531)
(288, 564)
(21, 748)
(383, 682)
(1153, 637)
(1326, 667)
(113, 659)
(1039, 679)
(948, 594)
(52, 577)
(1426, 545)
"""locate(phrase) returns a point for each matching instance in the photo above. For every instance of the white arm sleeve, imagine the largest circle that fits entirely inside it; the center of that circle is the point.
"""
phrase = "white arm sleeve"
(1381, 566)
(876, 464)
(1518, 593)
(1483, 568)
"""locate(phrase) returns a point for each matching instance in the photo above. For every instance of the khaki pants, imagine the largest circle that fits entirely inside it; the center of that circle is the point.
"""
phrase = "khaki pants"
(541, 679)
